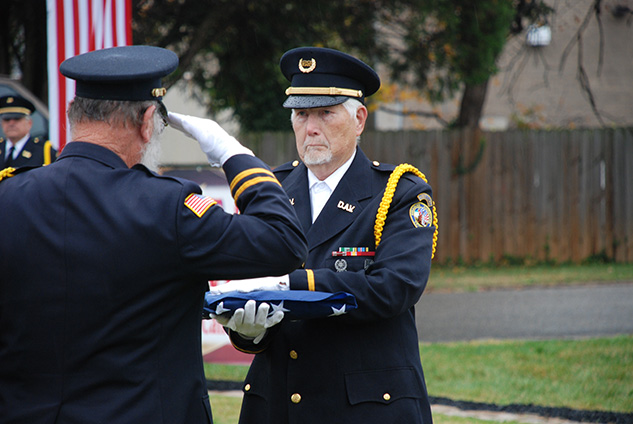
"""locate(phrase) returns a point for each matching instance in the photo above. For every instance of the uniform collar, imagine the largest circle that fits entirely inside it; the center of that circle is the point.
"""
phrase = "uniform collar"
(334, 178)
(94, 152)
(17, 146)
(354, 188)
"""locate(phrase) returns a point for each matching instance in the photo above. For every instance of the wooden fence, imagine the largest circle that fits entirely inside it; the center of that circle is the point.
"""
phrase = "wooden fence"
(561, 196)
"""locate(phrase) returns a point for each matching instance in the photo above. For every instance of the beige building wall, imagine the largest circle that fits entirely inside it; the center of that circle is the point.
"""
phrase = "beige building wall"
(535, 88)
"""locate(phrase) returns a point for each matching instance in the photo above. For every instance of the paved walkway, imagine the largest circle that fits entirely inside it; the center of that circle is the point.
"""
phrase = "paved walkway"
(535, 313)
(498, 416)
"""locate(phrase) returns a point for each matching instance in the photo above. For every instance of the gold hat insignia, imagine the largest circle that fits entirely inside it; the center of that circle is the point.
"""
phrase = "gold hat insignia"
(307, 66)
(159, 92)
(10, 100)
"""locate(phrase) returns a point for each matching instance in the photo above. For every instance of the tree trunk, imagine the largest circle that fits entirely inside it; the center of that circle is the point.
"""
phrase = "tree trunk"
(472, 105)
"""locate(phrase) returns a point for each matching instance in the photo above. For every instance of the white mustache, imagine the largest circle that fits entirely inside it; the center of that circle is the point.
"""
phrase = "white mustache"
(315, 143)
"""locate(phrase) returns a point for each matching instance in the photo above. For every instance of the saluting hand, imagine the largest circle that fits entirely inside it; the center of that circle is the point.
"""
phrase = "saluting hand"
(216, 143)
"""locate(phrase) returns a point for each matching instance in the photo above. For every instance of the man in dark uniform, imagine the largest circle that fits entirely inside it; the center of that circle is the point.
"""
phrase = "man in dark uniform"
(17, 147)
(104, 263)
(371, 231)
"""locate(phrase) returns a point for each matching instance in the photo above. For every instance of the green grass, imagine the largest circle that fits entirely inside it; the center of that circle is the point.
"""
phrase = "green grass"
(445, 419)
(460, 279)
(225, 372)
(225, 409)
(590, 374)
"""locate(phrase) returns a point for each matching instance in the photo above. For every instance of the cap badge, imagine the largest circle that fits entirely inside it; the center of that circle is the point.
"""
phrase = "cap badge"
(159, 92)
(10, 100)
(307, 66)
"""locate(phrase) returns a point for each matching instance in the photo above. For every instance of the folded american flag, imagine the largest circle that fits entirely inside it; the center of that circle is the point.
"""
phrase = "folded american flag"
(296, 304)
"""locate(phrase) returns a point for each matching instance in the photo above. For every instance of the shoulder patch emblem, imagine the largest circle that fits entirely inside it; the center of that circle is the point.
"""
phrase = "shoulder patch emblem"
(425, 198)
(199, 204)
(421, 215)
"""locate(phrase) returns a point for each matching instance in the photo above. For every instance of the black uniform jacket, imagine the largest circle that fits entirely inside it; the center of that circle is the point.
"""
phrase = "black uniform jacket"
(103, 271)
(362, 367)
(36, 152)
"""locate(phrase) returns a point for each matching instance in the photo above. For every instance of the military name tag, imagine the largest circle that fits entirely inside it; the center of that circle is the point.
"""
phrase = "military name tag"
(345, 206)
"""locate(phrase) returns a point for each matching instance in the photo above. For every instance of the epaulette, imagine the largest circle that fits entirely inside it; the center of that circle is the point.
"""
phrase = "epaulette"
(386, 167)
(9, 172)
(387, 197)
(288, 166)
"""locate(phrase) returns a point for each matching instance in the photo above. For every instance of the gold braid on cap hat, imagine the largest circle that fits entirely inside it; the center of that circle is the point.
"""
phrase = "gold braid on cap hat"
(381, 216)
(324, 91)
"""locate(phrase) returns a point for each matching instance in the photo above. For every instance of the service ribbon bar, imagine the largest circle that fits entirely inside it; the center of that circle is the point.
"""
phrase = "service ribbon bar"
(353, 251)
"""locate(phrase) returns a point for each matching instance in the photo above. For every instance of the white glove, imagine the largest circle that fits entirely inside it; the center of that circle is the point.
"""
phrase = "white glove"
(253, 284)
(249, 324)
(216, 143)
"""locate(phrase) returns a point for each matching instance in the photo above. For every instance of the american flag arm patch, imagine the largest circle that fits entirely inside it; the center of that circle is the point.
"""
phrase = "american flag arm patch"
(199, 204)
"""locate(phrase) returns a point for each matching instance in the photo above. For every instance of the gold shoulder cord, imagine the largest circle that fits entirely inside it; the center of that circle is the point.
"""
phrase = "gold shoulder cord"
(6, 173)
(381, 216)
(47, 153)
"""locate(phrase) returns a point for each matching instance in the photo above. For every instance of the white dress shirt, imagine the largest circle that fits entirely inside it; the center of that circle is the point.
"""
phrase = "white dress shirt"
(16, 146)
(320, 191)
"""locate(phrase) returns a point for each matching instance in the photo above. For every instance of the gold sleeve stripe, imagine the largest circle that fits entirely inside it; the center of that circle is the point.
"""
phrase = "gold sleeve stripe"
(47, 153)
(239, 177)
(252, 182)
(310, 275)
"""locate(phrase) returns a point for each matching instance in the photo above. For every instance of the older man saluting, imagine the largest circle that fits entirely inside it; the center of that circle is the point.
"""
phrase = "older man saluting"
(104, 263)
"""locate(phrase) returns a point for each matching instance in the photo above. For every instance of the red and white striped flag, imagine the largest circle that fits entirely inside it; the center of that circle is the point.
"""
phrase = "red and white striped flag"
(75, 27)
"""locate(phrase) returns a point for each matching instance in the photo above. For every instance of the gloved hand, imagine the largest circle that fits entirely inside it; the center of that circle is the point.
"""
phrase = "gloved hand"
(253, 284)
(216, 143)
(248, 323)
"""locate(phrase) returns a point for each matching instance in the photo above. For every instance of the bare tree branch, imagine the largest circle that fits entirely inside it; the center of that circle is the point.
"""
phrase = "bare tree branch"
(581, 73)
(594, 9)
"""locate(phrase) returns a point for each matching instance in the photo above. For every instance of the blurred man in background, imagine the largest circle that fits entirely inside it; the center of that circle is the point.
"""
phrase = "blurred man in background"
(17, 147)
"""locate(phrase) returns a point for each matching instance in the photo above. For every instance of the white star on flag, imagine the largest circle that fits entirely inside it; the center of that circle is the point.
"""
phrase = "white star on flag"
(276, 308)
(221, 309)
(340, 311)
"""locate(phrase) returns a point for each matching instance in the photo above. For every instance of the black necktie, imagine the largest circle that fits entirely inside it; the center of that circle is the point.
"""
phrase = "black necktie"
(10, 156)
